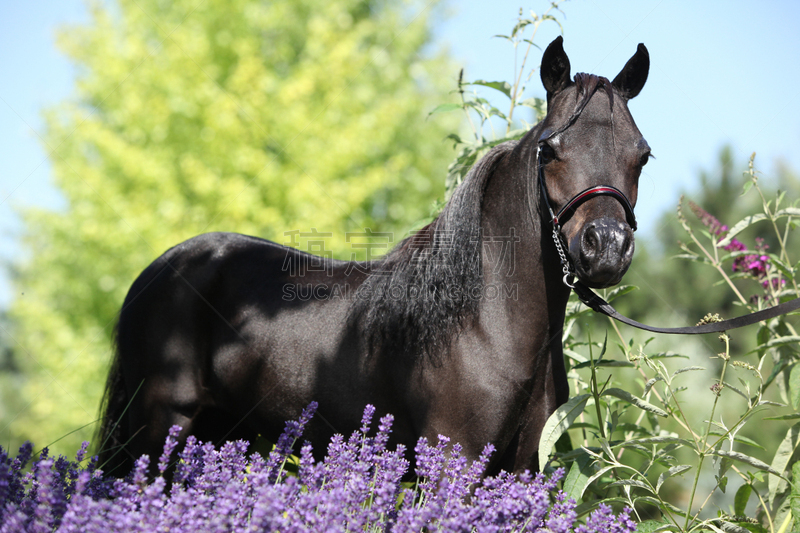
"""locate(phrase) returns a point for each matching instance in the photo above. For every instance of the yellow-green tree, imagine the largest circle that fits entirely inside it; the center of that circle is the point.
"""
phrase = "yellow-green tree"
(221, 115)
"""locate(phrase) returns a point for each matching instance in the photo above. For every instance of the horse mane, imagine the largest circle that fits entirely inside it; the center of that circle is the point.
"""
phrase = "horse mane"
(417, 297)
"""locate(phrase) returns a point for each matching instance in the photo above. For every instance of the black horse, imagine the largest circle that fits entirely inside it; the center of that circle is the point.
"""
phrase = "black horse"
(456, 331)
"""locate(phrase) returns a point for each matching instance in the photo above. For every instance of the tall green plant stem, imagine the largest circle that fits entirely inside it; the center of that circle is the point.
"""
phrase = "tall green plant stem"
(515, 91)
(680, 420)
(464, 102)
(725, 358)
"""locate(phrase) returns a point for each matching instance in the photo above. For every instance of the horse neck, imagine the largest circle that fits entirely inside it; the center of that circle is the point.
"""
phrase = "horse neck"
(511, 215)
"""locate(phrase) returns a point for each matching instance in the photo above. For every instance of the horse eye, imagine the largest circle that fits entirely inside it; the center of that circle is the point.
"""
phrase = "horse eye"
(546, 153)
(645, 158)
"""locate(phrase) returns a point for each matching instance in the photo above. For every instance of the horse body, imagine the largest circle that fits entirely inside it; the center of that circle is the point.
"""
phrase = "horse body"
(456, 331)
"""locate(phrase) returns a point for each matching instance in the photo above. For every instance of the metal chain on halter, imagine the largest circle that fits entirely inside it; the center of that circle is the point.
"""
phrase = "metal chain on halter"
(566, 267)
(565, 264)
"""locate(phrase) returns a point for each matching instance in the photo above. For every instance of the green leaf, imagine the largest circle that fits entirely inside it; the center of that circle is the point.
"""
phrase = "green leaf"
(539, 105)
(557, 424)
(661, 505)
(635, 400)
(783, 516)
(794, 494)
(445, 108)
(751, 528)
(787, 523)
(794, 387)
(722, 482)
(632, 483)
(788, 212)
(693, 257)
(730, 527)
(668, 355)
(781, 460)
(674, 471)
(741, 499)
(604, 362)
(595, 477)
(743, 458)
(687, 369)
(739, 227)
(740, 439)
(778, 371)
(649, 526)
(574, 356)
(781, 341)
(502, 86)
(785, 269)
(620, 291)
(578, 477)
(522, 24)
(455, 138)
(658, 440)
(654, 526)
(650, 383)
(792, 416)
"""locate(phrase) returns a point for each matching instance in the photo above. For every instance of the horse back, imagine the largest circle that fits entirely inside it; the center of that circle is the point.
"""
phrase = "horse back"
(226, 329)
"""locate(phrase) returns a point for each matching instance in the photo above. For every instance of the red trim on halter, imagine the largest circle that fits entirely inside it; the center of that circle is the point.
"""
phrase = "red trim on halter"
(599, 190)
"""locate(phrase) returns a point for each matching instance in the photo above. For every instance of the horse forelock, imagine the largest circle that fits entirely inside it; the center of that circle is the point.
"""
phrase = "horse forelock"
(420, 294)
(586, 85)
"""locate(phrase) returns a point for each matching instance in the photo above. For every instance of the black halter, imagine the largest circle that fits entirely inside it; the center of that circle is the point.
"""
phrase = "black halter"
(569, 208)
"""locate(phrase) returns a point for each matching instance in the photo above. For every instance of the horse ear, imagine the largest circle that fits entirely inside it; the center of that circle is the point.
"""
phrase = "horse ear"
(555, 67)
(631, 78)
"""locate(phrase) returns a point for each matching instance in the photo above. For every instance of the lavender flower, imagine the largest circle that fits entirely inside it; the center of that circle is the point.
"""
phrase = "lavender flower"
(169, 447)
(357, 487)
(292, 431)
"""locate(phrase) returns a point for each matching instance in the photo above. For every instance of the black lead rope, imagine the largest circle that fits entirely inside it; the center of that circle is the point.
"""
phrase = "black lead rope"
(595, 302)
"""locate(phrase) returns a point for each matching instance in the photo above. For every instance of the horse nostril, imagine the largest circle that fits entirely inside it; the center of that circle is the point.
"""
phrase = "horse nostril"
(591, 243)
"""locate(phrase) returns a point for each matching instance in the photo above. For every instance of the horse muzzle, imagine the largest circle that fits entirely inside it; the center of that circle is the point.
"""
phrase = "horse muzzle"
(602, 252)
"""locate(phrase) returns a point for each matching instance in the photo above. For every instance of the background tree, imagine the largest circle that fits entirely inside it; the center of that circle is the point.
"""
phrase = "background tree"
(235, 115)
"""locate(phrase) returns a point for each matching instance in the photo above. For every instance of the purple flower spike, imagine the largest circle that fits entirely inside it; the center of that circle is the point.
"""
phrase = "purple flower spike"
(81, 455)
(169, 447)
(366, 420)
(715, 226)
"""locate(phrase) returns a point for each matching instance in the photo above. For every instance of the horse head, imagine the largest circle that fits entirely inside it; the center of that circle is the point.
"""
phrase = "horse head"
(589, 158)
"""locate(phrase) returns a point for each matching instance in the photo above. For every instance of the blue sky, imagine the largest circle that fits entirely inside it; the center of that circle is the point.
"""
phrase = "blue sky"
(722, 72)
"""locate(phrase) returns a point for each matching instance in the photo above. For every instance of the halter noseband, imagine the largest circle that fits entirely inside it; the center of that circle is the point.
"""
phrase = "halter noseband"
(569, 208)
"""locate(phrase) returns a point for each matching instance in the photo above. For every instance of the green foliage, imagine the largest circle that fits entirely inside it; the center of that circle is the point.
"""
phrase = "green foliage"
(245, 116)
(482, 113)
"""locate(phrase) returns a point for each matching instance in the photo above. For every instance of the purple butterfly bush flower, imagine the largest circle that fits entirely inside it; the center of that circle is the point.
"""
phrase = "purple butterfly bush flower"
(357, 487)
(755, 264)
